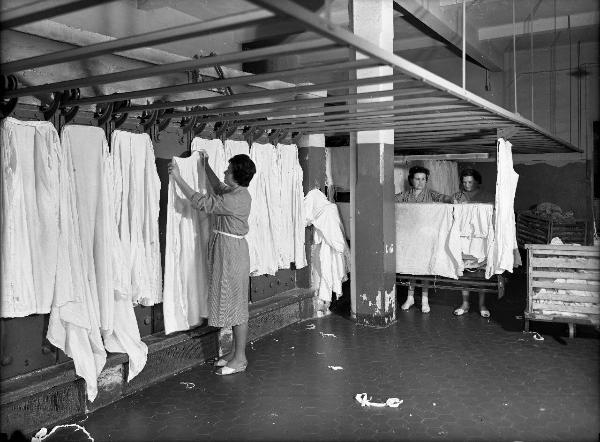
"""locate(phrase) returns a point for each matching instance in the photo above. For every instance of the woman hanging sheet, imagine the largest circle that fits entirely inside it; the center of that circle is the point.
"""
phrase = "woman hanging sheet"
(186, 268)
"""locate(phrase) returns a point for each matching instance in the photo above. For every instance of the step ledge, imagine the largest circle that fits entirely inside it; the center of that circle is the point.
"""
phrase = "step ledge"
(46, 378)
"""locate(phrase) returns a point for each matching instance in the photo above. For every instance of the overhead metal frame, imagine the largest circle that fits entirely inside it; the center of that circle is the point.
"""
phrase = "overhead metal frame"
(428, 113)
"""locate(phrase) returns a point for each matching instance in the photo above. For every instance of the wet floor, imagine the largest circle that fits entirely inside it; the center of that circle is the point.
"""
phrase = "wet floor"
(459, 379)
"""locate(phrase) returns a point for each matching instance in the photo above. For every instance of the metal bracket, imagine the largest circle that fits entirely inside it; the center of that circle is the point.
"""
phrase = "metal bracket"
(296, 137)
(275, 135)
(118, 118)
(48, 110)
(103, 113)
(66, 111)
(9, 83)
(506, 132)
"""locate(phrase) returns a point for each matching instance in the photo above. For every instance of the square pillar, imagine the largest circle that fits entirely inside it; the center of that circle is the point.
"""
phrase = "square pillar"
(372, 206)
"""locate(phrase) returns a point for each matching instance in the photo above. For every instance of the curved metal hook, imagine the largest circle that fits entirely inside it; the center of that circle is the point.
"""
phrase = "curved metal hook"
(103, 113)
(66, 111)
(9, 83)
(50, 109)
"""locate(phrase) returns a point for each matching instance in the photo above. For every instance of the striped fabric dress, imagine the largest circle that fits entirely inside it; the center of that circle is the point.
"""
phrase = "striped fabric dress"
(228, 257)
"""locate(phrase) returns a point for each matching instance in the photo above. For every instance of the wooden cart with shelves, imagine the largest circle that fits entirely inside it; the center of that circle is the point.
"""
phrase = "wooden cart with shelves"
(563, 285)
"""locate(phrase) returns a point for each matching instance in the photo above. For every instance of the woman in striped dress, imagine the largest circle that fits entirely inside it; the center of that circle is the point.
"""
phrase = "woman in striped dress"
(228, 257)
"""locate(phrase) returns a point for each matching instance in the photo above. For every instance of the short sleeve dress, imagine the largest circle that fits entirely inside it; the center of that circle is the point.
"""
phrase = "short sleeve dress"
(426, 196)
(228, 257)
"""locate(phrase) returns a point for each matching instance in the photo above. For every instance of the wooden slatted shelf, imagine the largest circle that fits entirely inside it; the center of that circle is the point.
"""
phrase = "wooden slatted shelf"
(563, 285)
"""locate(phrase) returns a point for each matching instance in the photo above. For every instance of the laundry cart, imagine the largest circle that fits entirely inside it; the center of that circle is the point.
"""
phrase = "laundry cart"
(563, 285)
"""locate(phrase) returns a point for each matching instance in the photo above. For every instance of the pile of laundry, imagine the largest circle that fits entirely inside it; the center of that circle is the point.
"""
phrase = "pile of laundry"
(551, 211)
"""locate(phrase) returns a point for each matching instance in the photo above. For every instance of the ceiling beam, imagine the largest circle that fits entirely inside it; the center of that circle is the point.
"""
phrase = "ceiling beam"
(486, 57)
(40, 10)
(152, 38)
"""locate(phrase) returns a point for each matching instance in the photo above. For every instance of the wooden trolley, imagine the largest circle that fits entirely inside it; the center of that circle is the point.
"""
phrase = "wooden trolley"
(563, 285)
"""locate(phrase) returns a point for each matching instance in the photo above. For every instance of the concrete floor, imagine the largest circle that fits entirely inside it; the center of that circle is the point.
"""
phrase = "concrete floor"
(460, 379)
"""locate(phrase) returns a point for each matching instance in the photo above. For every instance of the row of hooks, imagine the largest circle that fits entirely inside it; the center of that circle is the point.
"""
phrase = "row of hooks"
(114, 115)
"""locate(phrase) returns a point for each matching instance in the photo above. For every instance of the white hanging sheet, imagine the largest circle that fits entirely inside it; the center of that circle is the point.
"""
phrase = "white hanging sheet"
(291, 235)
(102, 250)
(503, 252)
(235, 147)
(137, 196)
(330, 252)
(185, 297)
(74, 326)
(263, 220)
(422, 237)
(30, 200)
(472, 231)
(217, 156)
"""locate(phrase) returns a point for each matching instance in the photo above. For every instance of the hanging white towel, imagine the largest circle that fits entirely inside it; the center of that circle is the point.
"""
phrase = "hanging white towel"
(472, 231)
(422, 235)
(101, 246)
(185, 296)
(137, 196)
(503, 252)
(235, 147)
(217, 157)
(330, 253)
(263, 220)
(74, 326)
(291, 235)
(30, 162)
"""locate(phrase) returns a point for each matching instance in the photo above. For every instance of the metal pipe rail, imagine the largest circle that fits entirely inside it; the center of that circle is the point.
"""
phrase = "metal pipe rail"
(426, 111)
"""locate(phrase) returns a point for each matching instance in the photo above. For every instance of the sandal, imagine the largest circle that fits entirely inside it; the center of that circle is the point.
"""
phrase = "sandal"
(221, 363)
(461, 311)
(227, 370)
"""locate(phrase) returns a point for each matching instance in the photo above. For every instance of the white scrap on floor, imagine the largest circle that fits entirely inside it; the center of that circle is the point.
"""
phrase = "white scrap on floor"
(392, 402)
(538, 337)
(188, 385)
(311, 327)
(335, 367)
(328, 334)
(43, 433)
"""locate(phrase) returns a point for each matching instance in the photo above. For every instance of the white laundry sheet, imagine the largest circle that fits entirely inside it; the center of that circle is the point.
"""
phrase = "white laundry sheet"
(29, 217)
(185, 295)
(264, 214)
(74, 326)
(422, 240)
(330, 252)
(217, 156)
(101, 246)
(471, 233)
(137, 195)
(291, 229)
(503, 252)
(235, 147)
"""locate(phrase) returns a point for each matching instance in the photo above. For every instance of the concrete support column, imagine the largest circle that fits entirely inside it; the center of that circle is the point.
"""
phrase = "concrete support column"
(372, 224)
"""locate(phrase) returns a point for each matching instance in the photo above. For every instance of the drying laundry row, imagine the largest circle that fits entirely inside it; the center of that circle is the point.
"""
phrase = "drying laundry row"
(276, 236)
(80, 238)
(444, 239)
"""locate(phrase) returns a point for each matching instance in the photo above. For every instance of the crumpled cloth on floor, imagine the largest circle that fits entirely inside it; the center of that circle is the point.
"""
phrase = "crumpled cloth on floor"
(330, 251)
(422, 240)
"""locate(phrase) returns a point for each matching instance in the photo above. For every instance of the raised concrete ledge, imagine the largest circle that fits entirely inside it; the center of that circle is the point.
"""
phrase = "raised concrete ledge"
(56, 394)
